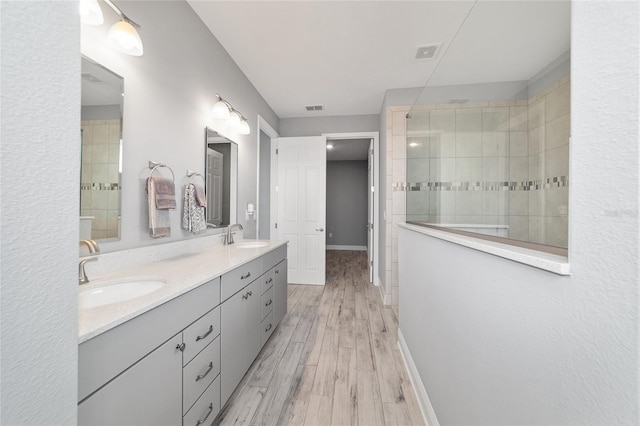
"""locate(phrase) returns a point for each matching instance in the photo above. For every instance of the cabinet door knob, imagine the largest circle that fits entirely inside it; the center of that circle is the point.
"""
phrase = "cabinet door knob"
(181, 346)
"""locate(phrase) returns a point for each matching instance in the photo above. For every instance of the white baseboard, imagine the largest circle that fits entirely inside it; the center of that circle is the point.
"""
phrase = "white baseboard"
(356, 248)
(386, 299)
(428, 413)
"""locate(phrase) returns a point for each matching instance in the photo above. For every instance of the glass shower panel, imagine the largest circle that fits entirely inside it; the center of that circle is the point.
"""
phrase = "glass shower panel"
(496, 165)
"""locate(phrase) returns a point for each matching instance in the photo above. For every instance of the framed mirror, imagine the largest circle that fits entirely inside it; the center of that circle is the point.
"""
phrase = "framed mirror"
(221, 171)
(101, 167)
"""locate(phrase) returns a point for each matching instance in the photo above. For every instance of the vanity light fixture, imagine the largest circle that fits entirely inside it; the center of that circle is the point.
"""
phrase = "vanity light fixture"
(122, 35)
(235, 120)
(90, 12)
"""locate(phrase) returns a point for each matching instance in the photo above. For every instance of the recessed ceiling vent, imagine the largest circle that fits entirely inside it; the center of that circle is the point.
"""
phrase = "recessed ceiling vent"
(314, 107)
(428, 52)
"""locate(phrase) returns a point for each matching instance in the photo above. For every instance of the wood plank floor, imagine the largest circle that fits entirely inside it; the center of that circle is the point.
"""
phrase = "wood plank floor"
(333, 360)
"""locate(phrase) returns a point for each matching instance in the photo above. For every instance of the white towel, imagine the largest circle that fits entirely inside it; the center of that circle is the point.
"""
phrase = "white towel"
(159, 220)
(193, 215)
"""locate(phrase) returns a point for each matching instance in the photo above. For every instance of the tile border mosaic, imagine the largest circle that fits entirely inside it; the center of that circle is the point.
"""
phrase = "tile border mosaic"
(532, 185)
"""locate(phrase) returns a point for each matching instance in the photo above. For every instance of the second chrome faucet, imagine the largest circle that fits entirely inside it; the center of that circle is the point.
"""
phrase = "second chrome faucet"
(228, 237)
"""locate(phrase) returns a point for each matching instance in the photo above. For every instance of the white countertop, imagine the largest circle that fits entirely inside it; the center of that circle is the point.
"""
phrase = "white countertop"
(182, 273)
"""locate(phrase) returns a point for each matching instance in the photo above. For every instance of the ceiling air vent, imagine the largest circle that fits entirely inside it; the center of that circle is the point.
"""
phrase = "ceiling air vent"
(428, 52)
(314, 107)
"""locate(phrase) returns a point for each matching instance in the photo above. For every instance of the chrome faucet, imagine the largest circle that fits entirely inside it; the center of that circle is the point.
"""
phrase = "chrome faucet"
(82, 275)
(228, 238)
(91, 245)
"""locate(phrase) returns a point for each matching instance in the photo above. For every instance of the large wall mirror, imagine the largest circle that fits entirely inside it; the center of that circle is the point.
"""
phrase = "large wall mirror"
(221, 166)
(101, 168)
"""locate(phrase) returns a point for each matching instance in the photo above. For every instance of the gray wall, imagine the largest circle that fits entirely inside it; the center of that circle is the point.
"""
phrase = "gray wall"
(40, 122)
(499, 342)
(264, 214)
(347, 183)
(169, 95)
(315, 126)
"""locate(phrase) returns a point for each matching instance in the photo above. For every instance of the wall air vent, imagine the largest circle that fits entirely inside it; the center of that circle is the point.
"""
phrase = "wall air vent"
(314, 107)
(458, 101)
(428, 52)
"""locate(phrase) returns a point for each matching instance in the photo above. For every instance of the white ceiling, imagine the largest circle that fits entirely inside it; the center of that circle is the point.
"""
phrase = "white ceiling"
(346, 54)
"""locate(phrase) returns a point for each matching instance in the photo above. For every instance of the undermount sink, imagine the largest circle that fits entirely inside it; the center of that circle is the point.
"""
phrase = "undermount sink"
(118, 292)
(251, 244)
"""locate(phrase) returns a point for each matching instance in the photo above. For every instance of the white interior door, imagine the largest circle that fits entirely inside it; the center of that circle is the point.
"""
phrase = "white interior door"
(370, 209)
(302, 170)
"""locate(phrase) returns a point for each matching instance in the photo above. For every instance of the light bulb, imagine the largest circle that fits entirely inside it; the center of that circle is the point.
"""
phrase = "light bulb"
(90, 12)
(233, 121)
(125, 38)
(220, 110)
(243, 127)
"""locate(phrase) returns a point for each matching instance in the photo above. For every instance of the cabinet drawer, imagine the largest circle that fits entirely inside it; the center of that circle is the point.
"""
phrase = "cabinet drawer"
(206, 407)
(267, 280)
(199, 373)
(235, 280)
(271, 259)
(199, 334)
(267, 302)
(267, 327)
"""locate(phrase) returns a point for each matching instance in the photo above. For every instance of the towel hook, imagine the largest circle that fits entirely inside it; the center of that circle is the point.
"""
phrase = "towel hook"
(153, 165)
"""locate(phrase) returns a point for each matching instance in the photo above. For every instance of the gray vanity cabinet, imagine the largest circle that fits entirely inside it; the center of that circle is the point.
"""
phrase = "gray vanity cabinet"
(279, 291)
(241, 337)
(148, 393)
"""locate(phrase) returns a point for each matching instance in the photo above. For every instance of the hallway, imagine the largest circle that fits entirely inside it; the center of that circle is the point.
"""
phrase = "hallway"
(333, 360)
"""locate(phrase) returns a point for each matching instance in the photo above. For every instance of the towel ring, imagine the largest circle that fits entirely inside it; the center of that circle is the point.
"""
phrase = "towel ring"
(153, 165)
(191, 174)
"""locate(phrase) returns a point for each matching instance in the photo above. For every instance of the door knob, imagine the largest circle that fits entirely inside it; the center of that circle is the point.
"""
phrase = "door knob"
(320, 229)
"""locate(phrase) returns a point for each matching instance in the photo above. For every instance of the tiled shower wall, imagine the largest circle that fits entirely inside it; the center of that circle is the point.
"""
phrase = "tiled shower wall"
(100, 180)
(502, 163)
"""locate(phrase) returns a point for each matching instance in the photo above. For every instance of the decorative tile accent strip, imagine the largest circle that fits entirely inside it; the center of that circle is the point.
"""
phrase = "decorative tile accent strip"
(91, 186)
(532, 185)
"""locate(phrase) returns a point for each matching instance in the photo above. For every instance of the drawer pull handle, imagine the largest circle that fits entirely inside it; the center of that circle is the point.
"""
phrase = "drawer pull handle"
(181, 346)
(250, 293)
(242, 277)
(204, 336)
(200, 377)
(205, 417)
(245, 296)
(269, 328)
(277, 271)
(269, 302)
(270, 281)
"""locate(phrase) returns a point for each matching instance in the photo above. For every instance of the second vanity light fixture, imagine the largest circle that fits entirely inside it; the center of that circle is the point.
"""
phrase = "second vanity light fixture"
(235, 120)
(122, 35)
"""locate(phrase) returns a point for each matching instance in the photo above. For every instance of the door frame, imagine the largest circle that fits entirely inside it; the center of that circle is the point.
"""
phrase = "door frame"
(264, 126)
(376, 190)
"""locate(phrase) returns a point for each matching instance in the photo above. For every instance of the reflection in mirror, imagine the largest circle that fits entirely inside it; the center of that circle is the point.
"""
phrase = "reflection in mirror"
(221, 179)
(101, 168)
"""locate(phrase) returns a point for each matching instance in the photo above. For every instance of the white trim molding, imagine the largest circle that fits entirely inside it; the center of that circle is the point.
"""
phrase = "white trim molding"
(341, 247)
(426, 408)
